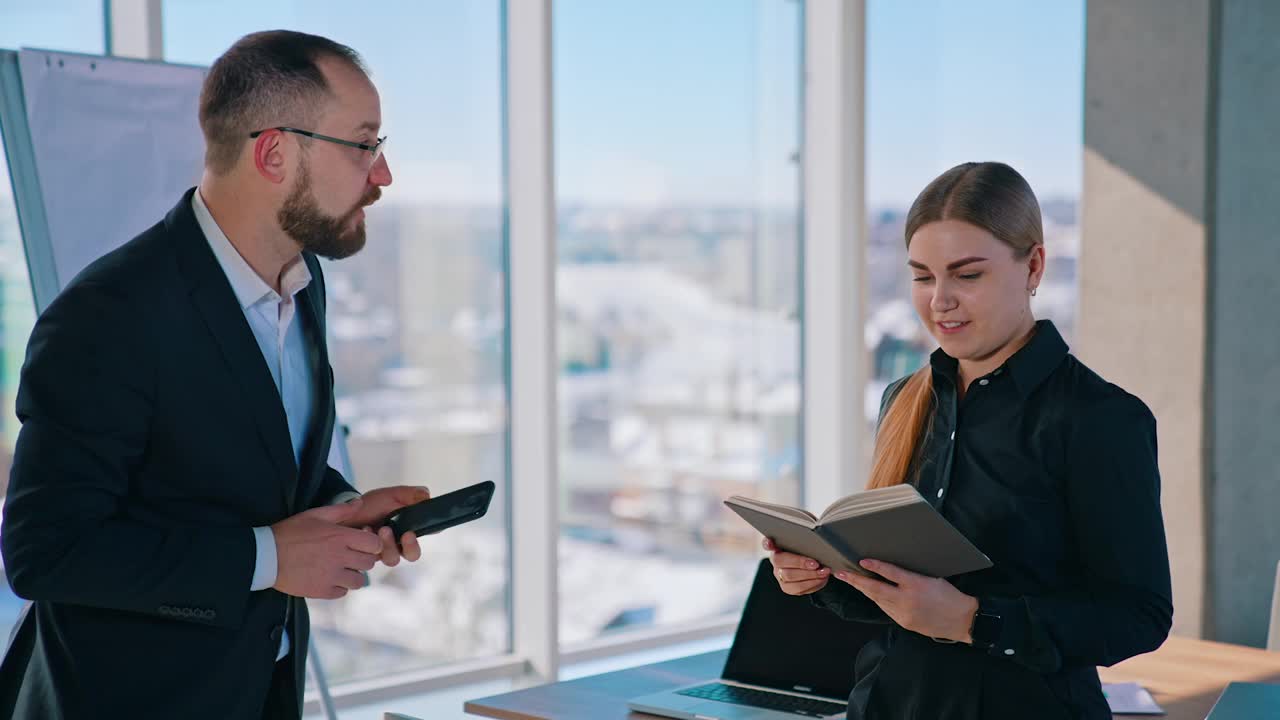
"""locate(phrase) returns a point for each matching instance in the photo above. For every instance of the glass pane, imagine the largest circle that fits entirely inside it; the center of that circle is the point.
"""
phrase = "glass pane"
(17, 315)
(73, 25)
(416, 319)
(942, 90)
(678, 292)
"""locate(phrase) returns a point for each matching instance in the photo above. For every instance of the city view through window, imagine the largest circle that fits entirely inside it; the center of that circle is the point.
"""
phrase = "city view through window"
(679, 231)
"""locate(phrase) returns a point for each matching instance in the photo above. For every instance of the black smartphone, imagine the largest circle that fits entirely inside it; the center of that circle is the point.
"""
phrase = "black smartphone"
(439, 513)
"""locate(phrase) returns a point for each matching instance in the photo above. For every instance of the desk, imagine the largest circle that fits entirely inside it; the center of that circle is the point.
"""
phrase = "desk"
(1184, 675)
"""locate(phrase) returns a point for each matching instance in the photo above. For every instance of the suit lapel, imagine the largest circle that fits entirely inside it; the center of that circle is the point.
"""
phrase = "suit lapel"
(320, 433)
(216, 303)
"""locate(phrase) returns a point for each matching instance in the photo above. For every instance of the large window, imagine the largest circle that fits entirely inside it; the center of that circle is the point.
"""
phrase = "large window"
(953, 82)
(677, 144)
(17, 315)
(417, 318)
(677, 133)
(74, 25)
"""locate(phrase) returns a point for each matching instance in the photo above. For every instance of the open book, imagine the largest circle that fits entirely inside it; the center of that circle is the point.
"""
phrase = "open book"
(893, 524)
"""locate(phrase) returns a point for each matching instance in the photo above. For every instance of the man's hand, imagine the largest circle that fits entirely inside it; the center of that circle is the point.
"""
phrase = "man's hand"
(378, 506)
(318, 557)
(930, 606)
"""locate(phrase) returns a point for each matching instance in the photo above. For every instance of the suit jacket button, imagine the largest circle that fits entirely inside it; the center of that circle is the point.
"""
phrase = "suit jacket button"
(276, 633)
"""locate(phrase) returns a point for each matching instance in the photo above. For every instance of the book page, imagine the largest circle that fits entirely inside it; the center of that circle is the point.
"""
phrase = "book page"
(785, 512)
(860, 503)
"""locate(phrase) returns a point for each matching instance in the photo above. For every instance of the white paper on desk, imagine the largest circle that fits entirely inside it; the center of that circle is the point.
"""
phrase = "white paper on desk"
(1130, 699)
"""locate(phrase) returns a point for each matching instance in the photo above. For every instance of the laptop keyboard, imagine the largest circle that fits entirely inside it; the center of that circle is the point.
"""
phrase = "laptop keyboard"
(764, 699)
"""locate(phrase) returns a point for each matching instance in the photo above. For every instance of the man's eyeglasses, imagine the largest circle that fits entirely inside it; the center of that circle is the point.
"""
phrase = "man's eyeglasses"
(374, 150)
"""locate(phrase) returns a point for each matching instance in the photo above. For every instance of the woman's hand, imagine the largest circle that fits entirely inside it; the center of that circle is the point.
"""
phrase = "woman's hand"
(925, 605)
(797, 574)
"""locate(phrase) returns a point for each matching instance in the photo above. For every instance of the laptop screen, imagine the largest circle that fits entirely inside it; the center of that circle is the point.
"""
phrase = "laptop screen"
(788, 643)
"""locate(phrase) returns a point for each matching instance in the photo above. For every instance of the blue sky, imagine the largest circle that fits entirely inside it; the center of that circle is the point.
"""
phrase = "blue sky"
(684, 102)
(950, 81)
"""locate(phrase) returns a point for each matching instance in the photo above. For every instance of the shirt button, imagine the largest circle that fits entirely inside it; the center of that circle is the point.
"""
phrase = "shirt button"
(984, 381)
(1009, 651)
(940, 491)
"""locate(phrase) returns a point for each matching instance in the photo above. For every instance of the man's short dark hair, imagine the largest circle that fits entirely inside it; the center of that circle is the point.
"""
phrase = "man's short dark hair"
(267, 79)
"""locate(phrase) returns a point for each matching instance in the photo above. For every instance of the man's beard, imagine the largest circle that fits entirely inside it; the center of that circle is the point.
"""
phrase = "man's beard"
(301, 219)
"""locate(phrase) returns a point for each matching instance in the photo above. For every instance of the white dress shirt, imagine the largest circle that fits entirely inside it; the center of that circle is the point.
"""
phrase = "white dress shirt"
(271, 317)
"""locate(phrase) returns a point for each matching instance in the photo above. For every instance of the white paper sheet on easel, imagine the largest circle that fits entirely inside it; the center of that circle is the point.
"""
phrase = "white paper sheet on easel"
(116, 142)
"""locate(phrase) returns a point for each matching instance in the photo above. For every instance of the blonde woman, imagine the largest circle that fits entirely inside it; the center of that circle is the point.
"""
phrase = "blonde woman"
(1045, 466)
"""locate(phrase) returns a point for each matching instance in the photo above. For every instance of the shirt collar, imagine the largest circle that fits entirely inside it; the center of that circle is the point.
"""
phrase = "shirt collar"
(1028, 367)
(245, 283)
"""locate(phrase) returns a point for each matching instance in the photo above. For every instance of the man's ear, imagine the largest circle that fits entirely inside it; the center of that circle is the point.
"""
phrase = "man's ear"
(271, 157)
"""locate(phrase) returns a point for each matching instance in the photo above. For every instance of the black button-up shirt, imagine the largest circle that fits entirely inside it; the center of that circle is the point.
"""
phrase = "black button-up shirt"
(1051, 471)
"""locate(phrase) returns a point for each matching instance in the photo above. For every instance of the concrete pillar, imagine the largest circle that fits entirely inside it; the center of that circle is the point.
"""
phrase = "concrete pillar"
(1243, 394)
(1178, 294)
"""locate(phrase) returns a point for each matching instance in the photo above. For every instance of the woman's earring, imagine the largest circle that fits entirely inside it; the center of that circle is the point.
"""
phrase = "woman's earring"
(1033, 292)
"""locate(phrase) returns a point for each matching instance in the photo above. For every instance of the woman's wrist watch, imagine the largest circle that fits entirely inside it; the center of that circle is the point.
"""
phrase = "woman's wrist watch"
(986, 627)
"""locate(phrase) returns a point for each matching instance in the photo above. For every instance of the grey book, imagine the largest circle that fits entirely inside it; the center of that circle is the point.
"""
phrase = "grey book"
(893, 524)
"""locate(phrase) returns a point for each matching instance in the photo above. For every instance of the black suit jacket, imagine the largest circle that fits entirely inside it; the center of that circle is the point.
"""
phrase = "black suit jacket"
(153, 440)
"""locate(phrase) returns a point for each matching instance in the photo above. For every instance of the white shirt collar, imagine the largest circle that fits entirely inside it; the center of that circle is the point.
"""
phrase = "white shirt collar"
(248, 287)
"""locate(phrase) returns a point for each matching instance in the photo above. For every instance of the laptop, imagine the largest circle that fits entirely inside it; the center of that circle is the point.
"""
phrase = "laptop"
(1241, 700)
(789, 660)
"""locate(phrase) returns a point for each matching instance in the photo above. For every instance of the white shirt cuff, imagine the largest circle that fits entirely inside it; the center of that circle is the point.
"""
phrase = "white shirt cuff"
(265, 567)
(344, 496)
